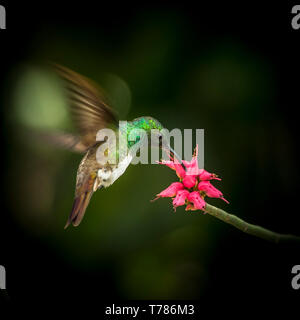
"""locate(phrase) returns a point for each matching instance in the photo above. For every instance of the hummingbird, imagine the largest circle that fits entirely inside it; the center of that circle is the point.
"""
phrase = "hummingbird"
(91, 111)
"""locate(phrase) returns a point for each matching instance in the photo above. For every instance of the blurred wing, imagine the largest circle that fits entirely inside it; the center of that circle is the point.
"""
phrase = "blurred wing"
(89, 107)
(58, 139)
(63, 140)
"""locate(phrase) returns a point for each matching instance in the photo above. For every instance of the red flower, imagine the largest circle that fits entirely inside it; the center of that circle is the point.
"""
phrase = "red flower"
(193, 185)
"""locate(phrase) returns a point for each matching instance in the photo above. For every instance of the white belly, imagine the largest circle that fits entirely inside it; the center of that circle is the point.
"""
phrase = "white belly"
(108, 177)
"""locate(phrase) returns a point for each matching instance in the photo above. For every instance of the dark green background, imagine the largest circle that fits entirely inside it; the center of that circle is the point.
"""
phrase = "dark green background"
(227, 69)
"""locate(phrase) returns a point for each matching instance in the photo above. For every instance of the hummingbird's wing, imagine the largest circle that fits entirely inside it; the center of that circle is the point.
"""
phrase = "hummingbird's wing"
(58, 139)
(90, 108)
(64, 140)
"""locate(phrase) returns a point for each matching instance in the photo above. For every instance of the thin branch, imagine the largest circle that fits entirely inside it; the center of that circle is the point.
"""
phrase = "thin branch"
(250, 228)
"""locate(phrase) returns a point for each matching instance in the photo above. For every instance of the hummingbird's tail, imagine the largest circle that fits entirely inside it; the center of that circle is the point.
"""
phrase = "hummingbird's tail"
(79, 206)
(82, 199)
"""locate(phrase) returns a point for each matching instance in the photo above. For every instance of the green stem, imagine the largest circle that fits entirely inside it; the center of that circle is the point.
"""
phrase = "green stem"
(250, 228)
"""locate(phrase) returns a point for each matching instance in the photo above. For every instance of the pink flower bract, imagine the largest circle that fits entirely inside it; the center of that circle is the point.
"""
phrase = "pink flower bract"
(210, 190)
(171, 191)
(189, 181)
(195, 198)
(180, 198)
(205, 175)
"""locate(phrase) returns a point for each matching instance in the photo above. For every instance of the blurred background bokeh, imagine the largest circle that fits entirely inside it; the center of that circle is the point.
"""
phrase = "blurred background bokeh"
(189, 69)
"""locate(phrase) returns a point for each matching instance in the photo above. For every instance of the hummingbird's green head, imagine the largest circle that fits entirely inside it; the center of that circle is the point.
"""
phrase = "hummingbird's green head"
(148, 126)
(155, 134)
(146, 123)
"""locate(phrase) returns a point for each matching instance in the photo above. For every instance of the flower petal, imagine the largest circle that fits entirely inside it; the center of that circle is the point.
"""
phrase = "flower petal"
(189, 181)
(192, 166)
(205, 175)
(179, 170)
(195, 198)
(210, 190)
(180, 198)
(171, 191)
